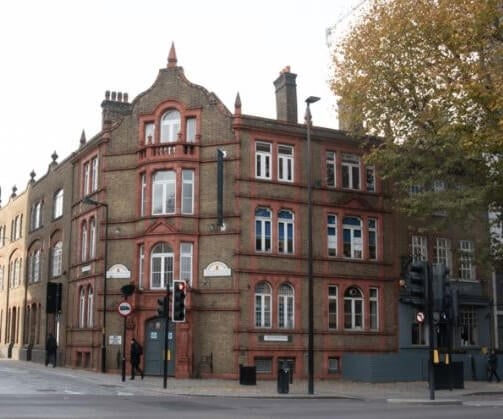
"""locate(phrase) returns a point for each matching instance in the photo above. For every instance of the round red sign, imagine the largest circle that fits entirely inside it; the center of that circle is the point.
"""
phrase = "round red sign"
(125, 309)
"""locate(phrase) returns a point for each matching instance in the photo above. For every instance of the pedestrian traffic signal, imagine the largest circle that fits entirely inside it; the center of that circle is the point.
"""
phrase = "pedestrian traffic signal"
(162, 306)
(178, 301)
(418, 280)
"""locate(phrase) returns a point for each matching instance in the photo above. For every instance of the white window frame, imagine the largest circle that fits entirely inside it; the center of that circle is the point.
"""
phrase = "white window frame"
(355, 238)
(263, 158)
(149, 131)
(82, 307)
(263, 297)
(331, 168)
(286, 229)
(371, 178)
(90, 307)
(354, 309)
(57, 259)
(166, 259)
(333, 307)
(37, 260)
(164, 192)
(94, 174)
(466, 253)
(141, 265)
(187, 191)
(286, 307)
(170, 126)
(351, 171)
(332, 235)
(443, 252)
(87, 178)
(190, 129)
(58, 204)
(419, 248)
(374, 309)
(285, 163)
(143, 194)
(372, 237)
(92, 238)
(263, 243)
(186, 251)
(83, 242)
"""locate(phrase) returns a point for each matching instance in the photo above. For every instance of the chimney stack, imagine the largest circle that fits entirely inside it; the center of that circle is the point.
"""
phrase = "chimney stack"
(286, 96)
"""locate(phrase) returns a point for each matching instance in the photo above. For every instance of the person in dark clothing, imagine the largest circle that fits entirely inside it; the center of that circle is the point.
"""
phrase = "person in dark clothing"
(51, 348)
(136, 353)
(492, 366)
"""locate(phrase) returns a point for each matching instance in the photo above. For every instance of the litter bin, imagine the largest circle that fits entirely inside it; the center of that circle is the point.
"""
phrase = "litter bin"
(247, 375)
(283, 381)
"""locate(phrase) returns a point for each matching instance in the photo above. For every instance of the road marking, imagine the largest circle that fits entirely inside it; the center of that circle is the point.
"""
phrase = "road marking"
(73, 392)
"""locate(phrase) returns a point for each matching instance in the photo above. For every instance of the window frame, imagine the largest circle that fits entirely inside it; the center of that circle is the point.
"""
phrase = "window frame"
(263, 306)
(286, 306)
(286, 232)
(167, 260)
(285, 163)
(263, 159)
(353, 313)
(262, 225)
(58, 204)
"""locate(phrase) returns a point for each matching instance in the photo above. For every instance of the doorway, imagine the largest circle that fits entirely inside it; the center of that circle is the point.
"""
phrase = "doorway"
(154, 347)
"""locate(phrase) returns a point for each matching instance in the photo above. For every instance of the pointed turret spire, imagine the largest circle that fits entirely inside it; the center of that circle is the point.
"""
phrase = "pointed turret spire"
(82, 138)
(172, 56)
(237, 105)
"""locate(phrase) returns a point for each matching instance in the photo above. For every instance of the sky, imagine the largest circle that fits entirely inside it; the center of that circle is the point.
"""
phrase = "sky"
(60, 56)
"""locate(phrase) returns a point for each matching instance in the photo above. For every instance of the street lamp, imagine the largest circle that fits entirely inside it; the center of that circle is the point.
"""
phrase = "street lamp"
(90, 201)
(310, 345)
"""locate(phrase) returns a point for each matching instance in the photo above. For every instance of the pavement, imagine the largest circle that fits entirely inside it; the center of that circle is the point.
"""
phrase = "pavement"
(393, 392)
(474, 392)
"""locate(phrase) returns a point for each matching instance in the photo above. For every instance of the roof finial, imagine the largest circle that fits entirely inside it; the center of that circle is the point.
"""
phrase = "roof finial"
(237, 105)
(172, 56)
(83, 138)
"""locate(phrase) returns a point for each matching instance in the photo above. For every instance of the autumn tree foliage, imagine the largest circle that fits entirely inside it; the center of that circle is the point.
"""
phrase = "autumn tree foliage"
(427, 77)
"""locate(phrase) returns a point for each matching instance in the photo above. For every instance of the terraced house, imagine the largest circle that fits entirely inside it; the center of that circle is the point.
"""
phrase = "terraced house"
(176, 186)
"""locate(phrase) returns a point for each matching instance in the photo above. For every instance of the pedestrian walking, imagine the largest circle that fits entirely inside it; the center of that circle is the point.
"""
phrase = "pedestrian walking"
(136, 353)
(492, 366)
(51, 350)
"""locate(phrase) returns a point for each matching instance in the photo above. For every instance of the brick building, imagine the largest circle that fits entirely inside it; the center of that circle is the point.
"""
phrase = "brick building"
(177, 186)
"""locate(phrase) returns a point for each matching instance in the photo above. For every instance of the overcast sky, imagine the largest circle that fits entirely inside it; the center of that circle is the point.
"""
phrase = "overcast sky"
(60, 56)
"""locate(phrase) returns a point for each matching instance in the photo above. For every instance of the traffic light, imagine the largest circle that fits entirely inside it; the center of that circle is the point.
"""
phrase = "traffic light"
(178, 301)
(441, 289)
(418, 280)
(162, 306)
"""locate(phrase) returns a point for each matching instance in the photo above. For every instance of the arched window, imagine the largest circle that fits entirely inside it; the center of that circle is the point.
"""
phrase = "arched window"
(82, 307)
(170, 126)
(163, 192)
(83, 241)
(57, 259)
(263, 230)
(90, 306)
(92, 238)
(262, 305)
(353, 309)
(352, 234)
(285, 307)
(285, 231)
(161, 266)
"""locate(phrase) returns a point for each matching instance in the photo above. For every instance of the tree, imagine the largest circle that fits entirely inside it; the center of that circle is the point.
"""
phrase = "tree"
(427, 76)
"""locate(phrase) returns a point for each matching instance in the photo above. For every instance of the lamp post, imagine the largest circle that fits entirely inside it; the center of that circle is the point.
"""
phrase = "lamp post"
(90, 201)
(310, 345)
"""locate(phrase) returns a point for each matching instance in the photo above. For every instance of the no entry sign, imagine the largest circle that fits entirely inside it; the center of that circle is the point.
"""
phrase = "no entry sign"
(420, 317)
(125, 309)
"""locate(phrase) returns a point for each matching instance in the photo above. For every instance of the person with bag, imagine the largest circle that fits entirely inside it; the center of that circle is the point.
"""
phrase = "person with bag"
(136, 353)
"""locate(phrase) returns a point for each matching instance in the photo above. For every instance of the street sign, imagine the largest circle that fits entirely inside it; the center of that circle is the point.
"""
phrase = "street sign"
(420, 317)
(125, 309)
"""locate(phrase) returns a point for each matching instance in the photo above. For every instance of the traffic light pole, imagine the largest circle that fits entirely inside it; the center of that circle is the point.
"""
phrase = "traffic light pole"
(165, 356)
(431, 326)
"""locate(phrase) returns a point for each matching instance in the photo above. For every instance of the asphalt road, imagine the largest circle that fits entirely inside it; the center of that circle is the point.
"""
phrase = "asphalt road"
(27, 392)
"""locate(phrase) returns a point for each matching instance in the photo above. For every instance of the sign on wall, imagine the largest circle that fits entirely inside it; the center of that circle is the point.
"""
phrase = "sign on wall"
(217, 269)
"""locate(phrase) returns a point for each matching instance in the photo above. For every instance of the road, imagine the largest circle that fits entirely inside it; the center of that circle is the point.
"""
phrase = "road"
(27, 392)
